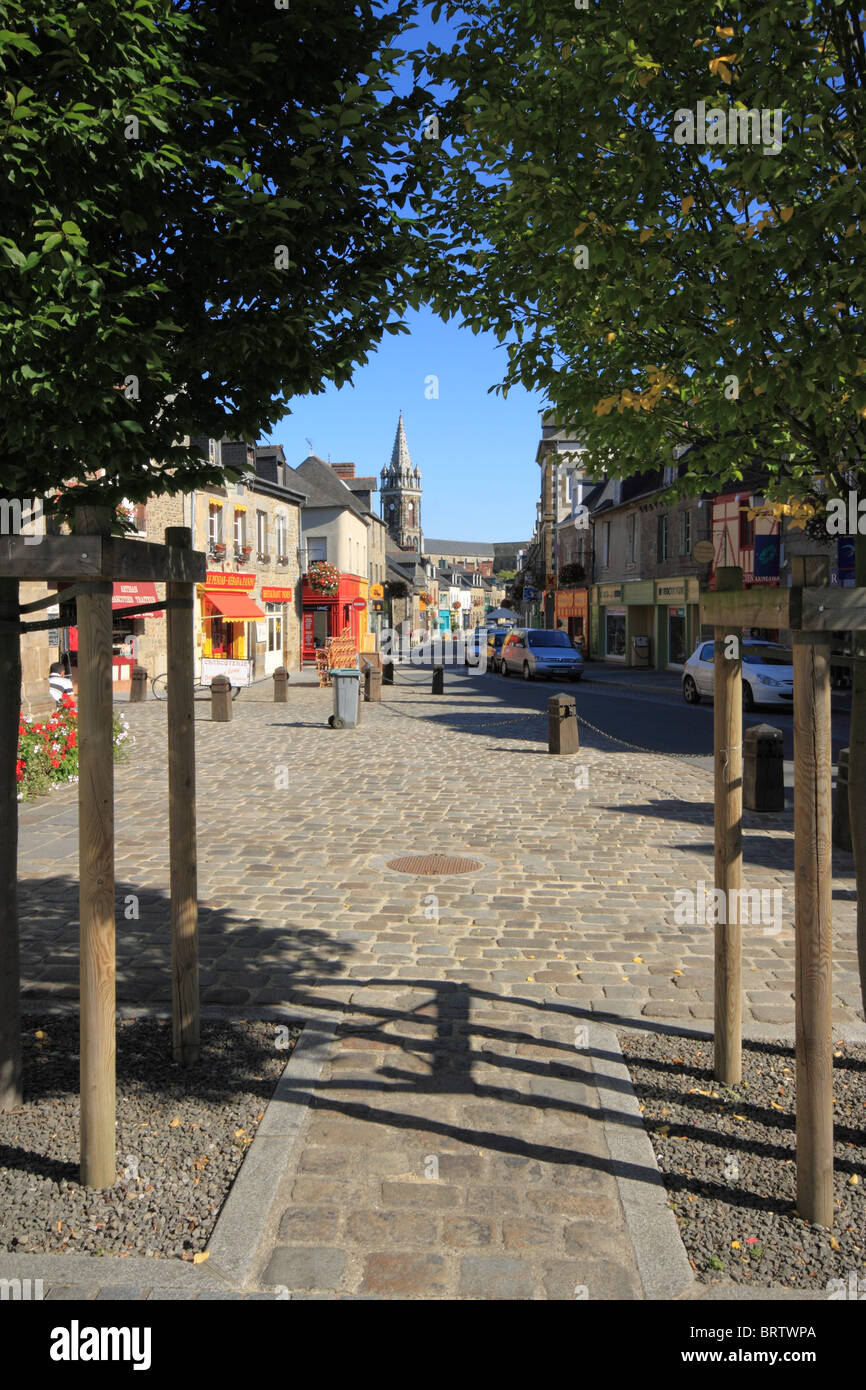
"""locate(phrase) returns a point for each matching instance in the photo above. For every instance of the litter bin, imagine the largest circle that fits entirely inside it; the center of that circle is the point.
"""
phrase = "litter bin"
(347, 685)
(640, 651)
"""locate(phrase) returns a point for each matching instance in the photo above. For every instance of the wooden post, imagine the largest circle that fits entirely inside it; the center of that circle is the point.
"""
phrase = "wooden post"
(728, 796)
(185, 1022)
(96, 871)
(812, 914)
(10, 967)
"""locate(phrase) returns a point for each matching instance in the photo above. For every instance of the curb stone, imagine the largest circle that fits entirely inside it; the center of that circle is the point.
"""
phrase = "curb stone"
(662, 1262)
(234, 1245)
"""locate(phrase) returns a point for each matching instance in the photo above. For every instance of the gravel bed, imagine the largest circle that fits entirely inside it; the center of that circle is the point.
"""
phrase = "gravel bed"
(727, 1160)
(181, 1138)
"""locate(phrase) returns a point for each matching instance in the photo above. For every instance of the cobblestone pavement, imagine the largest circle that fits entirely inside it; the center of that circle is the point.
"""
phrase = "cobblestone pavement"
(453, 1148)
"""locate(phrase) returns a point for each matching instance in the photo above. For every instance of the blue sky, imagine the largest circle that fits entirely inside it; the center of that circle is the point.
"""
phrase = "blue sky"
(476, 451)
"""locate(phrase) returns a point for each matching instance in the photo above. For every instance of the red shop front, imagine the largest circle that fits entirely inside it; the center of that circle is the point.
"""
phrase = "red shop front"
(326, 615)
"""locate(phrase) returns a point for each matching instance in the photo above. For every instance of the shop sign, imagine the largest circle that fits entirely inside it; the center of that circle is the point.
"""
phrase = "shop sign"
(272, 593)
(666, 592)
(219, 579)
(610, 593)
(239, 672)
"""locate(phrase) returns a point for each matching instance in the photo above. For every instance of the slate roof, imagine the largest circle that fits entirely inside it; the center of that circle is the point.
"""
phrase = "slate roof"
(324, 488)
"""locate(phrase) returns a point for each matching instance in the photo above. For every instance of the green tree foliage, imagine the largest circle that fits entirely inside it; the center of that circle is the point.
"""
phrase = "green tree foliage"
(195, 226)
(663, 292)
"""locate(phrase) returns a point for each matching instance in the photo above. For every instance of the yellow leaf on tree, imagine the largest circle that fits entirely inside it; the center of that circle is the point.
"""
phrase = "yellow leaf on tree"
(645, 235)
(611, 337)
(724, 33)
(786, 214)
(686, 203)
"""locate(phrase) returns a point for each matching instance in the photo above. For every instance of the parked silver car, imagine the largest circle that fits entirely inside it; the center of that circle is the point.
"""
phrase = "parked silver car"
(768, 674)
(537, 651)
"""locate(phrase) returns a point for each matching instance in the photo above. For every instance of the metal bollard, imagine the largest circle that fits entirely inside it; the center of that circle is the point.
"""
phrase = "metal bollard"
(387, 673)
(281, 685)
(438, 687)
(138, 688)
(221, 700)
(841, 832)
(562, 731)
(763, 769)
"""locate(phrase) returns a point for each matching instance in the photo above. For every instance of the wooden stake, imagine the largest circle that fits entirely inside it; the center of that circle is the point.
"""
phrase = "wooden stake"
(10, 968)
(812, 913)
(96, 887)
(181, 812)
(728, 737)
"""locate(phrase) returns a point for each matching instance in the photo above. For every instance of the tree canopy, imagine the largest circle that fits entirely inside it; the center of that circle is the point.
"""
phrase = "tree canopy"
(662, 292)
(195, 226)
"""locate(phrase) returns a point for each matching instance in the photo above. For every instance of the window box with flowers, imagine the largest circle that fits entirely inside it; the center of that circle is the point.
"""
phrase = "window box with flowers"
(323, 577)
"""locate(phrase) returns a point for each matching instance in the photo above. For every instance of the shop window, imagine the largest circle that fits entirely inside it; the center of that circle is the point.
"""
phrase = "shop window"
(614, 634)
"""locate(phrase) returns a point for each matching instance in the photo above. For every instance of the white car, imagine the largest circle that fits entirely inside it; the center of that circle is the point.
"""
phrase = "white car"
(768, 674)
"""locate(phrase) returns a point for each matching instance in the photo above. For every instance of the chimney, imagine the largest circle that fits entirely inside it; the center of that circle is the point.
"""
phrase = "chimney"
(344, 470)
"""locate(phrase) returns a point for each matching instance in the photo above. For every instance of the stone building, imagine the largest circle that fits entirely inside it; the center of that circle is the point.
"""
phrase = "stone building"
(401, 495)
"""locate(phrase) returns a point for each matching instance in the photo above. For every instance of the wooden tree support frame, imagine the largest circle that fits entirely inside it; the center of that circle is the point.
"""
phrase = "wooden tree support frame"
(811, 614)
(95, 559)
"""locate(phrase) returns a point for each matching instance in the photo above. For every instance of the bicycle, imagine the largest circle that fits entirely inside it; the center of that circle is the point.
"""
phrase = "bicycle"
(159, 686)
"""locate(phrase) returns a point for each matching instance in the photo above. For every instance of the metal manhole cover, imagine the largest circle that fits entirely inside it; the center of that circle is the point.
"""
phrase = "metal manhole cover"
(432, 864)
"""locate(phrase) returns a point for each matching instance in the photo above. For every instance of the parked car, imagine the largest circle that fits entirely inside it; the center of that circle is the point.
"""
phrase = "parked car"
(495, 639)
(768, 674)
(537, 651)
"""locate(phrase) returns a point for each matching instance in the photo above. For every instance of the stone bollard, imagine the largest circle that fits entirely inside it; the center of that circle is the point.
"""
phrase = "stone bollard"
(138, 688)
(281, 685)
(841, 832)
(221, 700)
(387, 673)
(562, 732)
(763, 769)
(438, 687)
(372, 683)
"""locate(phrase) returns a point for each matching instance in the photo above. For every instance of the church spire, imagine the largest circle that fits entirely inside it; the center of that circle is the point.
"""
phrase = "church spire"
(400, 460)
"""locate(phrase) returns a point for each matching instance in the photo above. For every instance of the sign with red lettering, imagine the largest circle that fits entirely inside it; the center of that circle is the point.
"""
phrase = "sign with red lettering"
(223, 579)
(273, 593)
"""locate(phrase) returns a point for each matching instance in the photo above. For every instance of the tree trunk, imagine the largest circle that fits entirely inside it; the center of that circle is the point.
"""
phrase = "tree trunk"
(10, 973)
(857, 772)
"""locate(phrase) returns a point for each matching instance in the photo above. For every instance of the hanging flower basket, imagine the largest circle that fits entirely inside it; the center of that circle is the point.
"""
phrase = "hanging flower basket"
(323, 577)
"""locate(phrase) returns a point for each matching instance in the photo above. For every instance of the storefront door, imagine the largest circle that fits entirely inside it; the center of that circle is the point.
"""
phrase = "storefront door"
(677, 653)
(275, 626)
(614, 633)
